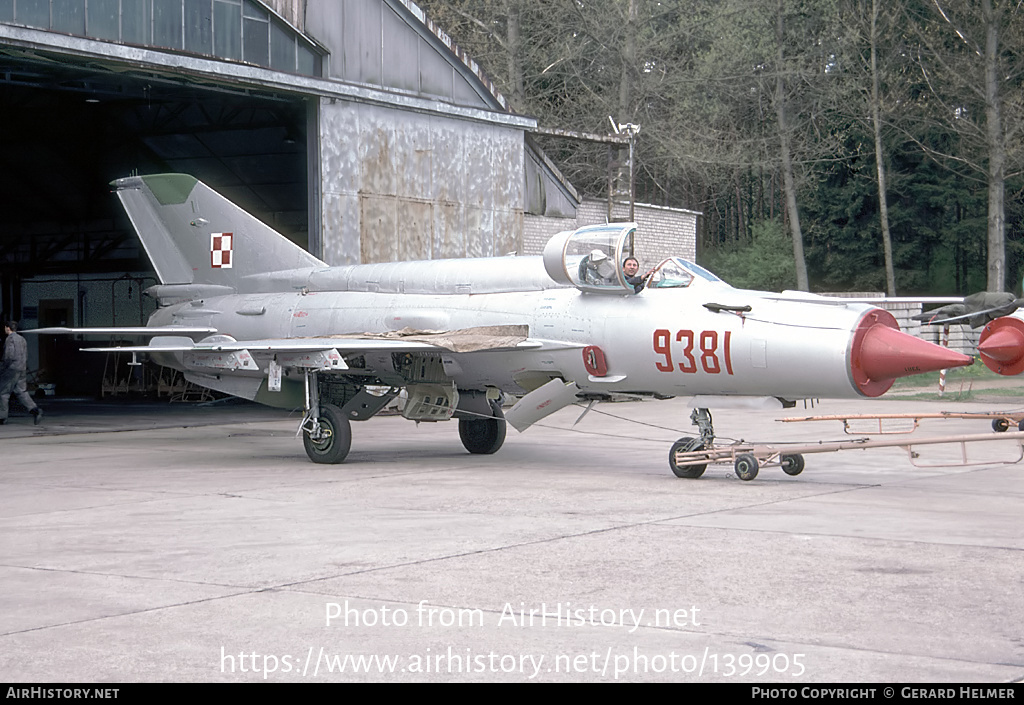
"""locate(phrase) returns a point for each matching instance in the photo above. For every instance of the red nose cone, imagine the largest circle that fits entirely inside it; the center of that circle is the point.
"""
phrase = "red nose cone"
(881, 353)
(888, 353)
(1002, 346)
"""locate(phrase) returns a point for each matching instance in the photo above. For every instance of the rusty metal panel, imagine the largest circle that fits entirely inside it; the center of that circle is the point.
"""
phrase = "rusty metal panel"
(479, 232)
(339, 147)
(426, 186)
(415, 225)
(377, 168)
(339, 182)
(449, 231)
(448, 149)
(480, 184)
(340, 214)
(504, 170)
(508, 232)
(412, 151)
(378, 229)
(472, 219)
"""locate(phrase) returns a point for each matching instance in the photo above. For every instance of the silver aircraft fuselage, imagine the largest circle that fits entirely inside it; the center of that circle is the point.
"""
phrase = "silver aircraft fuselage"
(246, 312)
(659, 341)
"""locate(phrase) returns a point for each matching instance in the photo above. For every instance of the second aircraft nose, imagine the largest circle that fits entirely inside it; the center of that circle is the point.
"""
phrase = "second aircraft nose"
(881, 353)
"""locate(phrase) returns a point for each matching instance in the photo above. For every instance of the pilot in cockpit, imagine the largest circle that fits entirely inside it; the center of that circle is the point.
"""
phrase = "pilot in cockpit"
(630, 267)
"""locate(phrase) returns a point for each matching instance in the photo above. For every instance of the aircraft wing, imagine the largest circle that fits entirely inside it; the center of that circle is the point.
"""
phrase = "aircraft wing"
(936, 321)
(462, 341)
(296, 345)
(125, 330)
(806, 298)
(506, 337)
(899, 299)
(269, 345)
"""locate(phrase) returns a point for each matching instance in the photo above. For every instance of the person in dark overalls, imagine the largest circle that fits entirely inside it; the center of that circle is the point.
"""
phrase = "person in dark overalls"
(13, 368)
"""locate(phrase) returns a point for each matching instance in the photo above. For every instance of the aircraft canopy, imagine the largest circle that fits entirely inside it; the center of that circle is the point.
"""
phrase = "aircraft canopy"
(591, 258)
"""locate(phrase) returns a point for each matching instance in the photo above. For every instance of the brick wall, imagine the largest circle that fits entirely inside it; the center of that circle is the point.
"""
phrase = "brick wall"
(661, 232)
(961, 337)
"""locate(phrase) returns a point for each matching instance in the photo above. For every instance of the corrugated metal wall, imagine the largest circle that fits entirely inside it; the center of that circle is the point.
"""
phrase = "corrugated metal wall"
(373, 44)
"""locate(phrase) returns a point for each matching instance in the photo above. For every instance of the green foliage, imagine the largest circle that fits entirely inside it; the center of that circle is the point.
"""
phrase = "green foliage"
(765, 264)
(703, 79)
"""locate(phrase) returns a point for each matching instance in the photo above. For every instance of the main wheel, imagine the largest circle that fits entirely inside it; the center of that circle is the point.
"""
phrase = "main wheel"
(336, 439)
(792, 464)
(1000, 425)
(746, 467)
(483, 436)
(688, 445)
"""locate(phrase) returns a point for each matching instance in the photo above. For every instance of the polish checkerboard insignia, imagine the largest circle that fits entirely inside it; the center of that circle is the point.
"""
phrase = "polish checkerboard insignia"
(220, 250)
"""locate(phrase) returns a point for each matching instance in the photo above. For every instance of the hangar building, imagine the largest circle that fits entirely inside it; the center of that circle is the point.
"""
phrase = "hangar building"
(356, 128)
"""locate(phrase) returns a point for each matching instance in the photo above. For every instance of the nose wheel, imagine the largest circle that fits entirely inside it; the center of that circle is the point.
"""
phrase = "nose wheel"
(686, 445)
(689, 457)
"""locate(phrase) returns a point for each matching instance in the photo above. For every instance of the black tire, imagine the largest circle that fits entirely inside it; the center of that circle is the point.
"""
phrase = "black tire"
(334, 448)
(792, 464)
(746, 467)
(686, 472)
(1000, 425)
(483, 436)
(1020, 425)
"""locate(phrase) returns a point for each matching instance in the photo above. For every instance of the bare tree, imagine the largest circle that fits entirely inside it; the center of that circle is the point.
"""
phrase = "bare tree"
(785, 150)
(870, 29)
(973, 77)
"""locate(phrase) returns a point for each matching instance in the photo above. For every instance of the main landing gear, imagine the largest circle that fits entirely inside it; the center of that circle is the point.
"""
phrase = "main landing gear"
(483, 436)
(328, 438)
(689, 457)
(326, 432)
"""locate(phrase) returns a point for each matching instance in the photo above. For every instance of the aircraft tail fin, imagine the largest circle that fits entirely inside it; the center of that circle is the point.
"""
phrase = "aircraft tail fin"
(193, 235)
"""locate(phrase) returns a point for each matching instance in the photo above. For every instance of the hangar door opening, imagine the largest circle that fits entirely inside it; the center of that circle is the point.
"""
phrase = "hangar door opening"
(71, 127)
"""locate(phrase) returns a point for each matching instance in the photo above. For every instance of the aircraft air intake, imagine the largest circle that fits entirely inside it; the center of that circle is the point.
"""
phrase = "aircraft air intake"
(880, 353)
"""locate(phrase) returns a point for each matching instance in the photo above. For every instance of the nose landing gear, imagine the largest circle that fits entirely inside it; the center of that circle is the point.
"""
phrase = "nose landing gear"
(689, 457)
